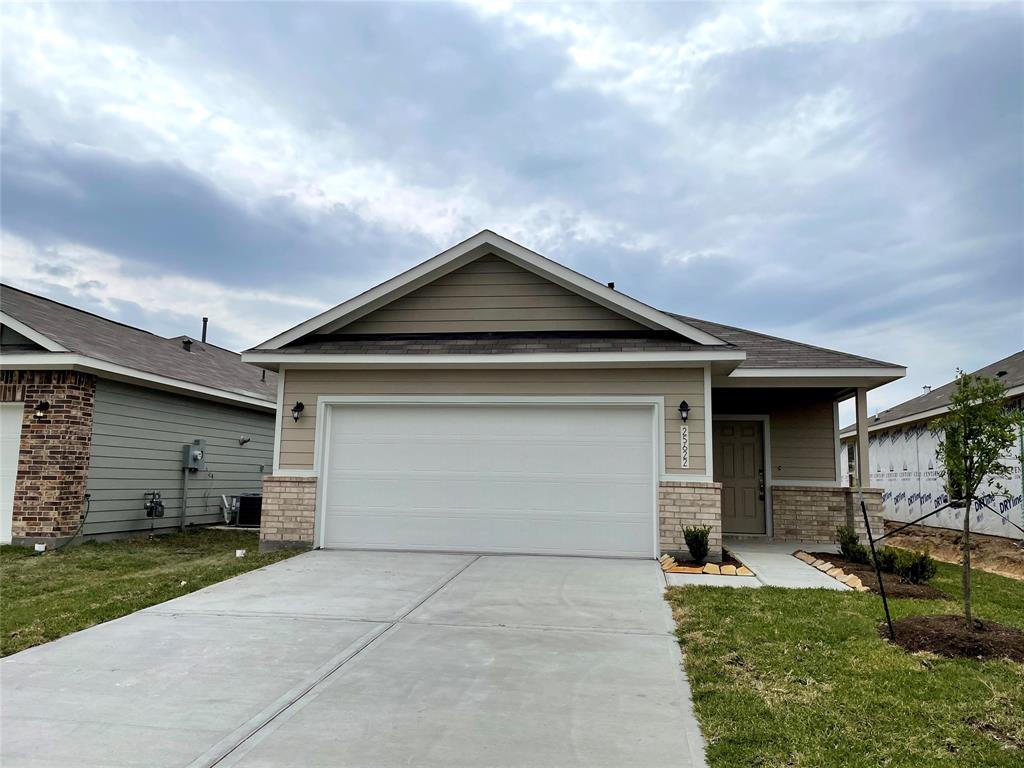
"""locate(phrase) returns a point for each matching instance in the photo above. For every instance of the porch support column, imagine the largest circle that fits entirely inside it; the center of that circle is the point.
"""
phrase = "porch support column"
(863, 460)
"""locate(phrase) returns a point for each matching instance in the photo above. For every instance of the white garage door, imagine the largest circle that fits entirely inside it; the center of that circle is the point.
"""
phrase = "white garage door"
(10, 442)
(558, 479)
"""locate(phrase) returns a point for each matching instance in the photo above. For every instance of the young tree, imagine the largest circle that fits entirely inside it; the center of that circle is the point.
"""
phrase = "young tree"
(978, 431)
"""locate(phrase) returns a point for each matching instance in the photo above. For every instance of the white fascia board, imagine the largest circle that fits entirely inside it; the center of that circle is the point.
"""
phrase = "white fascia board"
(695, 358)
(74, 362)
(534, 262)
(31, 334)
(823, 373)
(838, 378)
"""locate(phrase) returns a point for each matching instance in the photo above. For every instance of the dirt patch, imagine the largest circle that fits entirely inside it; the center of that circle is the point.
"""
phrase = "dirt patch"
(948, 635)
(994, 554)
(893, 586)
(994, 732)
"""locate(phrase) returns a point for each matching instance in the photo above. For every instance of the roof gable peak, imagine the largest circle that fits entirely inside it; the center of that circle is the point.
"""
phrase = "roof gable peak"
(469, 250)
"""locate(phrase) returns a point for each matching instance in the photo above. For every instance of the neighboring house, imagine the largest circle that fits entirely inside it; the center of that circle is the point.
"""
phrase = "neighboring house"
(492, 400)
(904, 463)
(95, 414)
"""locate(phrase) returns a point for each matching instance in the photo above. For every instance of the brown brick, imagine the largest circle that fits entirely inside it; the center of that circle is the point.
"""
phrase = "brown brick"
(49, 496)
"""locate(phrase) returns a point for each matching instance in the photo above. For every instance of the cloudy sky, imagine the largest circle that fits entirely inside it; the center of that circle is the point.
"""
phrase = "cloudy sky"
(847, 175)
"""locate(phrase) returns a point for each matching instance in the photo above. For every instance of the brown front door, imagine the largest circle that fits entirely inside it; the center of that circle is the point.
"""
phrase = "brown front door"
(739, 467)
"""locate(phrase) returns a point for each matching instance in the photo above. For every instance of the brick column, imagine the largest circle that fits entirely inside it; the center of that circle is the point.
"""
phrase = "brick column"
(53, 462)
(289, 508)
(682, 504)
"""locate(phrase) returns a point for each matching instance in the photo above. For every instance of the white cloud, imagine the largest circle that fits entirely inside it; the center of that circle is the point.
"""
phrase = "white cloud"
(241, 317)
(655, 67)
(224, 127)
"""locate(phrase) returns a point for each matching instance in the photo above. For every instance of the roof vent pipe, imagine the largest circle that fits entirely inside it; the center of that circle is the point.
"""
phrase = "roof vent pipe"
(612, 286)
(186, 344)
(206, 320)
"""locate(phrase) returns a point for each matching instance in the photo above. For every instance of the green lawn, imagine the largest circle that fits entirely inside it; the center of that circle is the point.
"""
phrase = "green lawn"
(801, 678)
(43, 597)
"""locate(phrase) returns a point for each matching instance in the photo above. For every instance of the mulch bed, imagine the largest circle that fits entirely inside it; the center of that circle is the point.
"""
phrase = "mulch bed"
(893, 586)
(947, 635)
(727, 559)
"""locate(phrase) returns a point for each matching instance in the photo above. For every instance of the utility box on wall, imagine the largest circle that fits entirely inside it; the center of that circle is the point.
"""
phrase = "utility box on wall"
(194, 456)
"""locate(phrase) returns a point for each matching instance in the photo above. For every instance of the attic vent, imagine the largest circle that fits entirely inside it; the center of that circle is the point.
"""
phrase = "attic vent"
(186, 344)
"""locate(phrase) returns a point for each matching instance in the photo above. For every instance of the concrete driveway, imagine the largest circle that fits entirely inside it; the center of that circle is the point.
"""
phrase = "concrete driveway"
(369, 659)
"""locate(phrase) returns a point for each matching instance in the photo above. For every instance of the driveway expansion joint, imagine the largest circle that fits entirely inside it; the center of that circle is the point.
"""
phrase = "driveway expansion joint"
(238, 749)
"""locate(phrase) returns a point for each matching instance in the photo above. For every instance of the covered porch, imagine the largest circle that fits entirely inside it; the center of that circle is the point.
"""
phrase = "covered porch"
(775, 466)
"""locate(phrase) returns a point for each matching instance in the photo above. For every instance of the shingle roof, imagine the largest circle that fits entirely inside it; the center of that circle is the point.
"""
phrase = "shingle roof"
(97, 337)
(489, 343)
(764, 351)
(939, 397)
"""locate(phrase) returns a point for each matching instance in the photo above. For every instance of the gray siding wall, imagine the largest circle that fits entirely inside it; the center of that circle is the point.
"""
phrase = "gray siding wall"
(137, 442)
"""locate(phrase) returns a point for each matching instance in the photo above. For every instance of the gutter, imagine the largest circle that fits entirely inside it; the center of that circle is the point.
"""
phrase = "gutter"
(51, 361)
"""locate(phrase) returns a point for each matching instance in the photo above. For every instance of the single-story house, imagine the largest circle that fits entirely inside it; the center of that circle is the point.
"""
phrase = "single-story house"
(95, 416)
(492, 400)
(904, 464)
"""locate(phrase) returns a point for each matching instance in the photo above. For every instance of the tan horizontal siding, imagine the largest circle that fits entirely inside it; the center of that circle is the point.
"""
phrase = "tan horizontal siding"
(802, 436)
(490, 295)
(672, 384)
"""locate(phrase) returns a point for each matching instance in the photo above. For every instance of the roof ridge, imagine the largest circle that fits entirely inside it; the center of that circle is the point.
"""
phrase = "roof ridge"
(9, 287)
(783, 339)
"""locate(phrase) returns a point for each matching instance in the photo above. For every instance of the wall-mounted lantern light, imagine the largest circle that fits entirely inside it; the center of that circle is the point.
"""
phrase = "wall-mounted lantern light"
(684, 410)
(42, 407)
(297, 410)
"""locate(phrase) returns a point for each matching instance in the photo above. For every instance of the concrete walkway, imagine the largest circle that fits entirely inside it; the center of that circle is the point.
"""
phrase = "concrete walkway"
(774, 565)
(369, 660)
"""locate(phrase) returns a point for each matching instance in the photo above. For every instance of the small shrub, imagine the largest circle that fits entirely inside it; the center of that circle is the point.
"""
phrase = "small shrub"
(850, 546)
(911, 567)
(696, 538)
(887, 559)
(914, 567)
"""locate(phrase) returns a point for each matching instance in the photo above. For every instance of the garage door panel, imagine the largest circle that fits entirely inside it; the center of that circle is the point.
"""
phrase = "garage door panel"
(597, 494)
(11, 415)
(501, 478)
(497, 458)
(494, 533)
(465, 420)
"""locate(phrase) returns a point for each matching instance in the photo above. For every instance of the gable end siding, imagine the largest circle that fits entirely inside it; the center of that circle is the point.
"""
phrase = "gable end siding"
(487, 295)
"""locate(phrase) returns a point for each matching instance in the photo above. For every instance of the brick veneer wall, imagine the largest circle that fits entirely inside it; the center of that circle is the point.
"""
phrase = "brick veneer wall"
(289, 507)
(801, 513)
(681, 504)
(53, 463)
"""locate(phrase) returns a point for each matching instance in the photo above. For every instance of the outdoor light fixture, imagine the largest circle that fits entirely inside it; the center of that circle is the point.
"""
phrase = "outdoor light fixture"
(41, 409)
(684, 410)
(297, 410)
